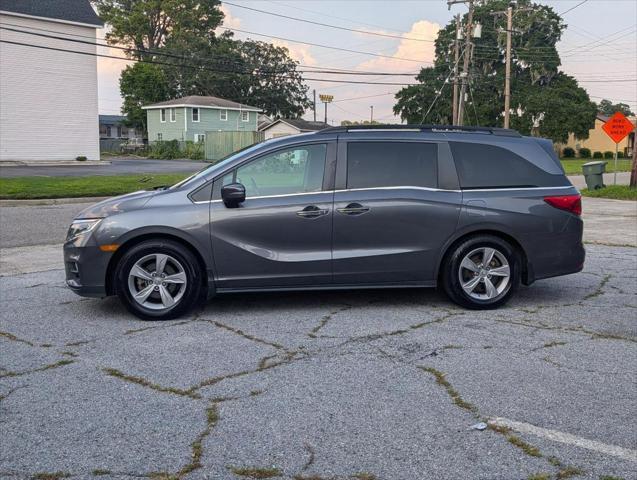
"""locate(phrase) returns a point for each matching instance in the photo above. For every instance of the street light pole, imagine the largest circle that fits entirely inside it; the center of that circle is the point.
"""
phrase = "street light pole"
(371, 114)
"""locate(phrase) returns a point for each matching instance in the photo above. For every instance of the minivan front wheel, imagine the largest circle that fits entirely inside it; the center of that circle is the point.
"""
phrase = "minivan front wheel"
(158, 280)
(481, 272)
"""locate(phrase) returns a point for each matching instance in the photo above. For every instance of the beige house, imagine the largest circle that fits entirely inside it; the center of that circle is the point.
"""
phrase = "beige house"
(598, 141)
(290, 126)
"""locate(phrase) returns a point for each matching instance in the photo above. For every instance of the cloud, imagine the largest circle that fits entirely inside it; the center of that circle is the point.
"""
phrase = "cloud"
(413, 49)
(108, 73)
(300, 53)
(229, 20)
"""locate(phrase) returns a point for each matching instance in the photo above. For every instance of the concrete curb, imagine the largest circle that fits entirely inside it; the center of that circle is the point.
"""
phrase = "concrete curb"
(64, 163)
(50, 201)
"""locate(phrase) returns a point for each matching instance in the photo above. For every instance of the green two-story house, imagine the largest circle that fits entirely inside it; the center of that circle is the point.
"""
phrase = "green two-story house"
(189, 118)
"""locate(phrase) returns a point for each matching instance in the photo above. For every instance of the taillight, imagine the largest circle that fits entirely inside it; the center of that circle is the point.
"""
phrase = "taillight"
(570, 203)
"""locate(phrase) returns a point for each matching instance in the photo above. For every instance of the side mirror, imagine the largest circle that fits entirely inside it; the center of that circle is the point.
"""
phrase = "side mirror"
(233, 194)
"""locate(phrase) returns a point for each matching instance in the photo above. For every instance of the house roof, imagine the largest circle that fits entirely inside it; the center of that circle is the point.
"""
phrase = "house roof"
(74, 11)
(204, 102)
(111, 119)
(299, 124)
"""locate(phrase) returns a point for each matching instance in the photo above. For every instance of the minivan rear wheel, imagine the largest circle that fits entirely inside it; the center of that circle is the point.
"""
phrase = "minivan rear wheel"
(481, 272)
(159, 280)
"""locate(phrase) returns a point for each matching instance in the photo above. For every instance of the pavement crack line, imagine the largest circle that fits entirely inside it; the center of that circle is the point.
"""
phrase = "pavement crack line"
(246, 335)
(503, 430)
(113, 372)
(325, 319)
(50, 366)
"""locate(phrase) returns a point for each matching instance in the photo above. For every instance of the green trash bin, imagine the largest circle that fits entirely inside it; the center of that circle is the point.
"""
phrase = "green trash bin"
(594, 174)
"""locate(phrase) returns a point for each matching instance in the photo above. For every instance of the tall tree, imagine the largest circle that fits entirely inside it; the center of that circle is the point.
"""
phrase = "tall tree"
(544, 101)
(609, 108)
(150, 24)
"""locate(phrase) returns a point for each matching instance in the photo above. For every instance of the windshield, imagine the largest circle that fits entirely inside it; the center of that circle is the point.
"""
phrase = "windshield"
(218, 165)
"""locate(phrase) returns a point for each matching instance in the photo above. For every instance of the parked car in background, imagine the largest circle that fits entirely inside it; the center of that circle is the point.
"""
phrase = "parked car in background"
(474, 211)
(133, 145)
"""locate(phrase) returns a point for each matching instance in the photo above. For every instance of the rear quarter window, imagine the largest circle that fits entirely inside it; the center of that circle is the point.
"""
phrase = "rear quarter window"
(490, 166)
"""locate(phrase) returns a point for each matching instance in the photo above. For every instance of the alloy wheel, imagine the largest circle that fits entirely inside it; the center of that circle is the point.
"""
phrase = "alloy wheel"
(484, 273)
(157, 281)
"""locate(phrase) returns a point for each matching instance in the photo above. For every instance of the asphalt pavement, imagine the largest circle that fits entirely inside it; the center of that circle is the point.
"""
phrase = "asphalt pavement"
(378, 384)
(117, 166)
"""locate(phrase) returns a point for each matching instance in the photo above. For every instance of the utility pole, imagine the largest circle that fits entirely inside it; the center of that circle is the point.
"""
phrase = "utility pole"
(456, 57)
(371, 114)
(507, 75)
(314, 93)
(465, 67)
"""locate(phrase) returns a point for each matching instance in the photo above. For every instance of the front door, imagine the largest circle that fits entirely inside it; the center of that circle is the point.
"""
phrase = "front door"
(281, 235)
(390, 219)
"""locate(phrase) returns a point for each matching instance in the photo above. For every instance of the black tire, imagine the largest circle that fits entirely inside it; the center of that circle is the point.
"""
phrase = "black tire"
(451, 272)
(193, 289)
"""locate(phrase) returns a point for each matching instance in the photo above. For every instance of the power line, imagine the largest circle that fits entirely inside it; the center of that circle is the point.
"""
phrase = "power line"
(573, 8)
(181, 57)
(199, 67)
(328, 25)
(326, 46)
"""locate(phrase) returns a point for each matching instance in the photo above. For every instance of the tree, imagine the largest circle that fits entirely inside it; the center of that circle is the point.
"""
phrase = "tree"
(142, 84)
(256, 73)
(544, 101)
(607, 107)
(150, 24)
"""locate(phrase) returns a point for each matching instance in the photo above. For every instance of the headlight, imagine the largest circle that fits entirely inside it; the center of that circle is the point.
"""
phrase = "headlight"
(81, 227)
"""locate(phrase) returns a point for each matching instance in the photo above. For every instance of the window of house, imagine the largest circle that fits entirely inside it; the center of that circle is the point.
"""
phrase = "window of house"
(160, 137)
(200, 137)
(173, 115)
(294, 170)
(488, 166)
(108, 130)
(119, 132)
(195, 114)
(162, 115)
(392, 164)
(245, 116)
(223, 115)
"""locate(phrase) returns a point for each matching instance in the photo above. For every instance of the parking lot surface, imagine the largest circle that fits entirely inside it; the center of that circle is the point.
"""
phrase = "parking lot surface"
(379, 384)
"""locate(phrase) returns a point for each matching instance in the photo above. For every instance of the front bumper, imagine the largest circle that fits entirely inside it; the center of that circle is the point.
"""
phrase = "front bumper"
(86, 268)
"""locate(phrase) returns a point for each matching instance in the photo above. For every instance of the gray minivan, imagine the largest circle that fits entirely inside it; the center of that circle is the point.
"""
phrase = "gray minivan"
(475, 211)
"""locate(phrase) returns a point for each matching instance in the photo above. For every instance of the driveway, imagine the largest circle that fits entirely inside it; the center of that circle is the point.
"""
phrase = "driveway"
(379, 384)
(118, 166)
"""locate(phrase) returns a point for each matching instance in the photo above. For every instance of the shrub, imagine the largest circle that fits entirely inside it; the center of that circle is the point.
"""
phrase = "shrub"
(584, 153)
(608, 155)
(598, 155)
(620, 154)
(568, 152)
(165, 150)
(193, 151)
(80, 158)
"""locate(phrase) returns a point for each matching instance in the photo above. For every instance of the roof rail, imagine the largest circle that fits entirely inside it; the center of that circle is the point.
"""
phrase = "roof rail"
(505, 132)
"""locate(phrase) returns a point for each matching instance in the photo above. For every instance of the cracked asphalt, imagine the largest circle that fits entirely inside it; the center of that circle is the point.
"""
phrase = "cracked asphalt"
(379, 384)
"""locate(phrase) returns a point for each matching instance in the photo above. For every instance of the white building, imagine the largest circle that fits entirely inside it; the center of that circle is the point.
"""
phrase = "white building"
(48, 97)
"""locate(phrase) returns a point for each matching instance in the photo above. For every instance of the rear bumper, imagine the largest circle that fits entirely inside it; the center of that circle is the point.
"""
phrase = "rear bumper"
(85, 269)
(556, 254)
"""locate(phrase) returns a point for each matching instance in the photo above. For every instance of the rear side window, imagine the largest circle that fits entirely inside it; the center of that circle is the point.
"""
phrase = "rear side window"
(391, 164)
(488, 166)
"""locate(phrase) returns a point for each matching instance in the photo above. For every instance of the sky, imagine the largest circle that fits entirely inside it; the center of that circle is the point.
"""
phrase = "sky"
(597, 48)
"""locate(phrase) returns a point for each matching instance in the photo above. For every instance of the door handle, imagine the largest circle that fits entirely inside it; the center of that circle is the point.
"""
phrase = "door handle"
(353, 209)
(311, 211)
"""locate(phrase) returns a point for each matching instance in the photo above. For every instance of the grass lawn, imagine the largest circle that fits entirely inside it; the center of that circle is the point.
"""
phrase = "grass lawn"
(618, 192)
(94, 186)
(573, 166)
